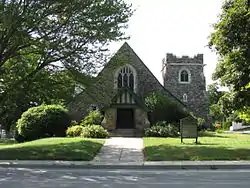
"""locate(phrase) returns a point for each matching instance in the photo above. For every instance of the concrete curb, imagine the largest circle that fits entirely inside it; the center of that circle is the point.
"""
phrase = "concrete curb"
(168, 165)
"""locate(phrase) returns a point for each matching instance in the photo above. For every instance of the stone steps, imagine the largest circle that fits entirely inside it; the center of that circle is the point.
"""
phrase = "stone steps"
(126, 133)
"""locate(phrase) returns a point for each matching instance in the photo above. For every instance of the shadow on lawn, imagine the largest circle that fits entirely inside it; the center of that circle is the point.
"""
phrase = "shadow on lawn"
(82, 150)
(167, 152)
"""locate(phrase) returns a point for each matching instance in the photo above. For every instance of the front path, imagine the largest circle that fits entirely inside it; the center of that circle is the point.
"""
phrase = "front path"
(120, 149)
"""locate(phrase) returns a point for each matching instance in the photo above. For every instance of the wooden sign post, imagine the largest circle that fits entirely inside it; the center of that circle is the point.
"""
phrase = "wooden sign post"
(188, 128)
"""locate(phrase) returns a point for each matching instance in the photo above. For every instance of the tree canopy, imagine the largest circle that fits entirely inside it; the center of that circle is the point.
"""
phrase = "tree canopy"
(47, 46)
(231, 40)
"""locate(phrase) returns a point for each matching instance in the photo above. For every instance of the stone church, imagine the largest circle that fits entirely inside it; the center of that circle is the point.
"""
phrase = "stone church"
(120, 88)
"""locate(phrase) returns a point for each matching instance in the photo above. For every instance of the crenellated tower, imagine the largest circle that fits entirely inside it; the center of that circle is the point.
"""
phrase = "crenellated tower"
(184, 77)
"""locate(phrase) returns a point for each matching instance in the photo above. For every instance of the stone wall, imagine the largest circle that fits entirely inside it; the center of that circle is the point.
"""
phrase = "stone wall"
(197, 99)
(141, 119)
(109, 121)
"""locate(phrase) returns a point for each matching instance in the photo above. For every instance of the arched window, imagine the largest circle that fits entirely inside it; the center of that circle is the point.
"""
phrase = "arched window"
(185, 97)
(125, 78)
(184, 76)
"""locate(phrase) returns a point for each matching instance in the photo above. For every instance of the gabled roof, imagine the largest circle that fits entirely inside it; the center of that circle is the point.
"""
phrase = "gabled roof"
(127, 46)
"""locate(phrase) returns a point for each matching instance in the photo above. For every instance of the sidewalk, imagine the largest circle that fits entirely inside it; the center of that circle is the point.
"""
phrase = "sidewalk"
(166, 165)
(118, 149)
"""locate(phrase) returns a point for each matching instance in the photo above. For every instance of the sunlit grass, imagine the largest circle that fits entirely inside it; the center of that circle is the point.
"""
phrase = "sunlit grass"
(211, 146)
(52, 149)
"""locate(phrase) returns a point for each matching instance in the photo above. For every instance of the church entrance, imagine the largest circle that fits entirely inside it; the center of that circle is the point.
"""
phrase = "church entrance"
(125, 118)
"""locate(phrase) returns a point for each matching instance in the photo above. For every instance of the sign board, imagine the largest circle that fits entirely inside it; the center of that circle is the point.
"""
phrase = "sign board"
(188, 128)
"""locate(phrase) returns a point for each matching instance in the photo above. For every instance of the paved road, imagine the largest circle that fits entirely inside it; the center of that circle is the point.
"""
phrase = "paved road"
(78, 178)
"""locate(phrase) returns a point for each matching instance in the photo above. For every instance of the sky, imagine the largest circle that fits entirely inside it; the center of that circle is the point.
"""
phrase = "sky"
(181, 27)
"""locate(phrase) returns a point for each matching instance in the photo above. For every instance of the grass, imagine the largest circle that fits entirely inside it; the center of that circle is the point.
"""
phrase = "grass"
(211, 146)
(51, 149)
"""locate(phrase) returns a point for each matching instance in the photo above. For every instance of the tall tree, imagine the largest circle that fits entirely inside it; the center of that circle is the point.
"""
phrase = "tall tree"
(214, 93)
(231, 40)
(38, 38)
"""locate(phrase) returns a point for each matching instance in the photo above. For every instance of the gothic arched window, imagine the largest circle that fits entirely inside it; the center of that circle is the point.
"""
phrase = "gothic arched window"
(126, 78)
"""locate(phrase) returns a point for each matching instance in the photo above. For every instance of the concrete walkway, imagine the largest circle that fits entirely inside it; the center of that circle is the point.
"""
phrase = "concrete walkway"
(120, 149)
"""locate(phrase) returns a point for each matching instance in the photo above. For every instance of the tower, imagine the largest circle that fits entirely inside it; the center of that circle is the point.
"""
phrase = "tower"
(184, 77)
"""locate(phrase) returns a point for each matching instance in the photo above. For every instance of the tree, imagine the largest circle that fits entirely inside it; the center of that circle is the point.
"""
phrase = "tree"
(44, 44)
(49, 86)
(163, 109)
(231, 41)
(69, 31)
(214, 94)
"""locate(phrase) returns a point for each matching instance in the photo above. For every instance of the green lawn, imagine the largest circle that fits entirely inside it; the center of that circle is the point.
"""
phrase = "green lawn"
(51, 149)
(211, 146)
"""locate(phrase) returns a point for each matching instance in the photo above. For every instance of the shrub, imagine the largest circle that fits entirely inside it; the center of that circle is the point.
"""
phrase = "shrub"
(74, 131)
(73, 123)
(162, 109)
(201, 124)
(19, 138)
(94, 131)
(93, 118)
(43, 121)
(162, 131)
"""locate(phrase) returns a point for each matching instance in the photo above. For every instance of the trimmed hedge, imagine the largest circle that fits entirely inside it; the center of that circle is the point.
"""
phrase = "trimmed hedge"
(43, 121)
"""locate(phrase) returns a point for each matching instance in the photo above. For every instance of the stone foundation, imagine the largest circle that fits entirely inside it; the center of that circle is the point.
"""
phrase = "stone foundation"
(141, 119)
(109, 121)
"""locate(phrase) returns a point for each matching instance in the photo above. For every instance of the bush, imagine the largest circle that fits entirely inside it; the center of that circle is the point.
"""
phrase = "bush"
(162, 109)
(94, 131)
(162, 131)
(73, 123)
(43, 121)
(19, 138)
(74, 131)
(93, 118)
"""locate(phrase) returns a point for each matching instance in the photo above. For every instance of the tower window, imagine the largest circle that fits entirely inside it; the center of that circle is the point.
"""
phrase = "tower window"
(184, 76)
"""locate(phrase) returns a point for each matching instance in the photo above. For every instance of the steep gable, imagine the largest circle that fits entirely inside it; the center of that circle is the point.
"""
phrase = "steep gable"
(102, 91)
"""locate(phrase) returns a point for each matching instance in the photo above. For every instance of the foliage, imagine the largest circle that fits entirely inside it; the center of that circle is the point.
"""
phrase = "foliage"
(19, 138)
(46, 46)
(47, 87)
(93, 118)
(231, 40)
(163, 109)
(94, 131)
(162, 129)
(214, 94)
(74, 131)
(43, 121)
(216, 112)
(244, 114)
(201, 124)
(73, 123)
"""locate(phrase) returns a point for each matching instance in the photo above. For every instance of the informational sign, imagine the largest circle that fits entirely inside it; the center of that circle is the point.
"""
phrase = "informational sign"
(188, 128)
